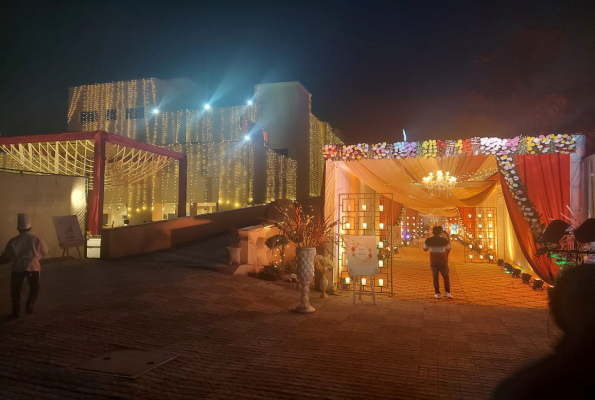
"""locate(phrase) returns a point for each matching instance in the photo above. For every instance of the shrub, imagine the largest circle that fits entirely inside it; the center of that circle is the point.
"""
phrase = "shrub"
(268, 273)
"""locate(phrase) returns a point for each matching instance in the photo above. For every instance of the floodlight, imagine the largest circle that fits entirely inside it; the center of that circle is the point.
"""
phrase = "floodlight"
(586, 232)
(155, 111)
(250, 102)
(526, 278)
(537, 284)
(555, 231)
(516, 272)
(247, 137)
(207, 106)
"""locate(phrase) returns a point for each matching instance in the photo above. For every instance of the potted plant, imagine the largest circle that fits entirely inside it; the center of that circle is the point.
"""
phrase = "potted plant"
(307, 232)
(234, 249)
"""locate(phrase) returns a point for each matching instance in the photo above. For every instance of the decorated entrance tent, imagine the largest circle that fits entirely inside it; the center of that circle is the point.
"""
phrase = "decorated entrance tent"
(108, 160)
(530, 180)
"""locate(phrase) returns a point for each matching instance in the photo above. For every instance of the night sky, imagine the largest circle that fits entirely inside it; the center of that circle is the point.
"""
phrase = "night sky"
(373, 67)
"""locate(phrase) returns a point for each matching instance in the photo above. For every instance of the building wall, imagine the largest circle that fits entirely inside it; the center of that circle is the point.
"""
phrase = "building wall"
(110, 105)
(145, 238)
(285, 110)
(42, 197)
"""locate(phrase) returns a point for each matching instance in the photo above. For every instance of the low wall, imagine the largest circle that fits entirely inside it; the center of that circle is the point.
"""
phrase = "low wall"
(161, 235)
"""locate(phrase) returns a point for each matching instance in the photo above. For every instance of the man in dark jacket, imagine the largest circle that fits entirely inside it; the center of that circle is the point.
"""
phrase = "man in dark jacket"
(439, 247)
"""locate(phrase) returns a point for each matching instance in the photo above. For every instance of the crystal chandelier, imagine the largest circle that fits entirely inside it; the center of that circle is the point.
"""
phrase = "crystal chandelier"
(438, 183)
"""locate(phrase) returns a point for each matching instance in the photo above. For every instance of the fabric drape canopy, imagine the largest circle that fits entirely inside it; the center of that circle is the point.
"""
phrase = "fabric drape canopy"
(399, 177)
(547, 178)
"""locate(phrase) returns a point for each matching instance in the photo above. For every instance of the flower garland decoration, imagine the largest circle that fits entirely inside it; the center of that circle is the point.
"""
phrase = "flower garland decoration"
(355, 151)
(518, 190)
(382, 151)
(405, 149)
(490, 145)
(428, 149)
(543, 144)
(547, 144)
(450, 149)
(475, 144)
(460, 219)
(329, 151)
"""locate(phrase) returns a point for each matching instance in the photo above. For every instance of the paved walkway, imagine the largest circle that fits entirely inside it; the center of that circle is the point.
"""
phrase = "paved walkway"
(472, 283)
(237, 338)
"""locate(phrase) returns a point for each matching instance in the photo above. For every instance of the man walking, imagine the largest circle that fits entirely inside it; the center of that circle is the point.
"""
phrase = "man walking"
(24, 251)
(439, 248)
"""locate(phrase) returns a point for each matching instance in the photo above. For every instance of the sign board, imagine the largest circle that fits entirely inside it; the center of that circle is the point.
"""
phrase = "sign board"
(362, 256)
(68, 231)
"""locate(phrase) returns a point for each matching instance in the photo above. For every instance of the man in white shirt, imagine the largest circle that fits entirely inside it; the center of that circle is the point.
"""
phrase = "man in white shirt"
(24, 252)
(439, 248)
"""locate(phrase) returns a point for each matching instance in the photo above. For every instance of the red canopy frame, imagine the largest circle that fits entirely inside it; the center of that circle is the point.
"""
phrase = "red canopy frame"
(100, 140)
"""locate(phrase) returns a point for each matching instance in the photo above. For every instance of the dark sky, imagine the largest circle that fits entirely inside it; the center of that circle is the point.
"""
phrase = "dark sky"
(373, 67)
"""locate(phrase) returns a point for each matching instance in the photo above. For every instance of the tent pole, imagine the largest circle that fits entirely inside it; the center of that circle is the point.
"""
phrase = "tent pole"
(182, 182)
(96, 201)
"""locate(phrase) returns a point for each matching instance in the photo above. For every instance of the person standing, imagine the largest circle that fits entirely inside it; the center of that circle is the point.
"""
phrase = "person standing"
(24, 252)
(439, 248)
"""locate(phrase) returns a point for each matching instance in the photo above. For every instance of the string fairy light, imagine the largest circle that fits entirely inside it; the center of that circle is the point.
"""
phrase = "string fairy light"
(218, 156)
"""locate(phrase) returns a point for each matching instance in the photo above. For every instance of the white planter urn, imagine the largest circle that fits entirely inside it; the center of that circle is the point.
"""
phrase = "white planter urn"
(305, 272)
(233, 254)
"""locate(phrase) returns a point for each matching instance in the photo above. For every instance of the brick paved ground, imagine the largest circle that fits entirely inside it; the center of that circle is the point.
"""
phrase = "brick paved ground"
(237, 338)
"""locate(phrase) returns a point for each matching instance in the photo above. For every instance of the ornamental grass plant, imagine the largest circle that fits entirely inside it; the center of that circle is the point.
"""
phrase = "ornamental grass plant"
(305, 230)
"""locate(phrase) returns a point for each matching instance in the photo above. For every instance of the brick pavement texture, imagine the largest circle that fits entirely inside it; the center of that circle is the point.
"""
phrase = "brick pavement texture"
(238, 339)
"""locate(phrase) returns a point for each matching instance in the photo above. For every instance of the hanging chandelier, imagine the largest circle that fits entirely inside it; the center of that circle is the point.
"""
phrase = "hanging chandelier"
(435, 184)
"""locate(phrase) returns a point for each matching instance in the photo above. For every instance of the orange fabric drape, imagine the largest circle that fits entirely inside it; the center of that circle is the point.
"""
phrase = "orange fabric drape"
(389, 216)
(468, 221)
(547, 178)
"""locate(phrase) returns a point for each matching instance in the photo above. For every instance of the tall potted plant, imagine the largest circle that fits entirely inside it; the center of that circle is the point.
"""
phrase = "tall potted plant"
(234, 249)
(307, 232)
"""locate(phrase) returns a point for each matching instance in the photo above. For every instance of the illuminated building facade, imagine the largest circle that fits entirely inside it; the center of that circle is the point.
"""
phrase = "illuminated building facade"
(225, 169)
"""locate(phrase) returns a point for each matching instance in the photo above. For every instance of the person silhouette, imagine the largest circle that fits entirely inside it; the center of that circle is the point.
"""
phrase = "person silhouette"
(568, 372)
(24, 252)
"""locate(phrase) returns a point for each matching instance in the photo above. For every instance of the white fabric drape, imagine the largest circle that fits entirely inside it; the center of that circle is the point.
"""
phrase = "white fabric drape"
(400, 177)
(588, 188)
(508, 245)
